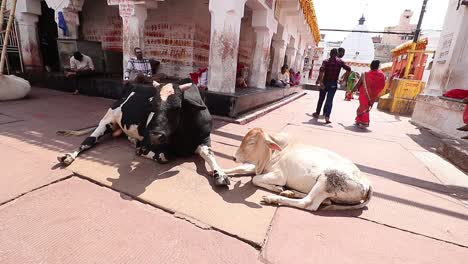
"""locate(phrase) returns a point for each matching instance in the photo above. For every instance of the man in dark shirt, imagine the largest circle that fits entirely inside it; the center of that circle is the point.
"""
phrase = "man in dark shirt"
(328, 79)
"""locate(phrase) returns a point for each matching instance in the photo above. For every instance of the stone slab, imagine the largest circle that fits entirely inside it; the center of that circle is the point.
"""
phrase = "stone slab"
(4, 119)
(183, 187)
(75, 221)
(302, 237)
(23, 172)
(447, 173)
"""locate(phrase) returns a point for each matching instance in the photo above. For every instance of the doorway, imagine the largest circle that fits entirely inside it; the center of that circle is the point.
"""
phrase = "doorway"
(48, 34)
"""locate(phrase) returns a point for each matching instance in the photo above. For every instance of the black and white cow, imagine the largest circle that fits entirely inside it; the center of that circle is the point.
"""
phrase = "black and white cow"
(164, 122)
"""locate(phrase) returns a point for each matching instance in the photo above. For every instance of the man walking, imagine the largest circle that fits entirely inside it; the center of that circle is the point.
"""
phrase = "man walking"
(328, 80)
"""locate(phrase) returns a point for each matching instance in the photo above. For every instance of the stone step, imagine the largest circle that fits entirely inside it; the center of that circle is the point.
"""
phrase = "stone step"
(456, 151)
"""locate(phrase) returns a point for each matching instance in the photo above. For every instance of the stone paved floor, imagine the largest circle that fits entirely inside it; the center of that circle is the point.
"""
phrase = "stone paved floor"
(106, 207)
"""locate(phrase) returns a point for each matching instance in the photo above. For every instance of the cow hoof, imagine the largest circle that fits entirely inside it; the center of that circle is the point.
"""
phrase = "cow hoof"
(288, 193)
(66, 159)
(269, 199)
(161, 158)
(221, 179)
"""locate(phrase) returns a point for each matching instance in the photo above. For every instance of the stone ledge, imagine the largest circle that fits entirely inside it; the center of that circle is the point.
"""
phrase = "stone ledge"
(251, 116)
(456, 151)
(440, 115)
(245, 100)
(441, 101)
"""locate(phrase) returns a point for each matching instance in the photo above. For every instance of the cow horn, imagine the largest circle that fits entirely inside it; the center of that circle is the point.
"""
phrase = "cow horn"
(156, 84)
(185, 86)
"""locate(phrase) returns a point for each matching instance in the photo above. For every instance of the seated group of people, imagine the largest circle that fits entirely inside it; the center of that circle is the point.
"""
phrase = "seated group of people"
(138, 69)
(286, 78)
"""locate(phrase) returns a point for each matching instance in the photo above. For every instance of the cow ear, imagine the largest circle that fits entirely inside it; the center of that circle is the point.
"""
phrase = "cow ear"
(192, 97)
(195, 103)
(272, 144)
(156, 84)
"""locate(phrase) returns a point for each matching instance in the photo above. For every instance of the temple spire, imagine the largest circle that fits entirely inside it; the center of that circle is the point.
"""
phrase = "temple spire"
(362, 20)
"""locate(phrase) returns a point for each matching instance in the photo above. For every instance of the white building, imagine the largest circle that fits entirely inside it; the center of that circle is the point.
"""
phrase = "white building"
(403, 26)
(183, 35)
(448, 72)
(359, 48)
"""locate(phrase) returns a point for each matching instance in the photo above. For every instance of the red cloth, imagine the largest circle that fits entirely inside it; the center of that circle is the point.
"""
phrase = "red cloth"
(195, 75)
(459, 94)
(375, 80)
(456, 93)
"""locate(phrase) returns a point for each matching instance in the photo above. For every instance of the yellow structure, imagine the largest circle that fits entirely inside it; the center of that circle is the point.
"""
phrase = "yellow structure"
(399, 95)
(309, 13)
(402, 96)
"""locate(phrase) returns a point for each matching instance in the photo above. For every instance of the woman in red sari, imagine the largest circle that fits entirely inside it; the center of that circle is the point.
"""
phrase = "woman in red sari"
(370, 85)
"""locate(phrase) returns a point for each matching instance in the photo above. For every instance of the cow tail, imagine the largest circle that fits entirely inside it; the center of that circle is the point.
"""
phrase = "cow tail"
(79, 132)
(338, 207)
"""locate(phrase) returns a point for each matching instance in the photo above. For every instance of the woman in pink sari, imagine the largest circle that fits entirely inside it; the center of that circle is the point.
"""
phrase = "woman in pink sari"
(370, 85)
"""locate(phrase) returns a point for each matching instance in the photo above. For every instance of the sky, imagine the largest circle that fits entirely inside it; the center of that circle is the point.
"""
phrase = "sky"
(344, 14)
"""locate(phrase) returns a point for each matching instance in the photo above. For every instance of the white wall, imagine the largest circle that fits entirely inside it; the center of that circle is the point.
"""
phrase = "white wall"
(451, 60)
(177, 33)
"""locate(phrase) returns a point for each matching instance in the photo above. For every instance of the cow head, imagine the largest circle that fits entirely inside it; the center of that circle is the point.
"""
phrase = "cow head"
(256, 148)
(167, 109)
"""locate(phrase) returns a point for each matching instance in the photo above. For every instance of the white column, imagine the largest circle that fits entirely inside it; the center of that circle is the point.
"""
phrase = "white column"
(297, 62)
(261, 59)
(451, 58)
(265, 26)
(278, 57)
(301, 64)
(224, 44)
(133, 28)
(291, 52)
(27, 14)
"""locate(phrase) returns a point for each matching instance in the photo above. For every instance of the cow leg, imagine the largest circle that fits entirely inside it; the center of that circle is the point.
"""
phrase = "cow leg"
(293, 194)
(241, 169)
(104, 127)
(160, 158)
(220, 178)
(311, 202)
(272, 181)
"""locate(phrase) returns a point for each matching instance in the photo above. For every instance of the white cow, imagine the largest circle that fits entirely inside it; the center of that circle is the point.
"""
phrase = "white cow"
(314, 175)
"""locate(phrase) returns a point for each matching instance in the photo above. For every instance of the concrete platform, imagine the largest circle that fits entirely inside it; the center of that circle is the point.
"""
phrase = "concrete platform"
(302, 237)
(75, 221)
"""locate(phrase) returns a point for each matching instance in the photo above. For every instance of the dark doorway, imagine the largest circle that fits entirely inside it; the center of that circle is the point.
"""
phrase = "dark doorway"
(48, 34)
